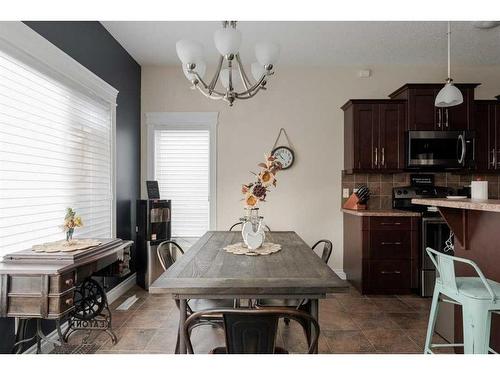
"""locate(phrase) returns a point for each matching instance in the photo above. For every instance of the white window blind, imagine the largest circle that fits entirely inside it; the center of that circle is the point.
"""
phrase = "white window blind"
(55, 152)
(182, 168)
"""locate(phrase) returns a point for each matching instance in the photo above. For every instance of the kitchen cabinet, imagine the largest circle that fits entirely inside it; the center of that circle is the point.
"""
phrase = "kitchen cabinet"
(423, 115)
(374, 135)
(381, 253)
(487, 131)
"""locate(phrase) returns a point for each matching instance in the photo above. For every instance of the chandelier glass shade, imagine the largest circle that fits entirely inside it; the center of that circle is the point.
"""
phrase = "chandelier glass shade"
(222, 85)
(449, 95)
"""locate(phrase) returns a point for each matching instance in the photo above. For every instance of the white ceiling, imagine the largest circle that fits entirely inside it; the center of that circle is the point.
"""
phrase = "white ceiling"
(318, 43)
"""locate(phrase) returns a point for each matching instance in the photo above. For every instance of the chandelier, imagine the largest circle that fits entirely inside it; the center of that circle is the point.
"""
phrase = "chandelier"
(227, 41)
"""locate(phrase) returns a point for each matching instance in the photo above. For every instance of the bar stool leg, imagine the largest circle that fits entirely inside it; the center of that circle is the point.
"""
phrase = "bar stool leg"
(476, 326)
(432, 320)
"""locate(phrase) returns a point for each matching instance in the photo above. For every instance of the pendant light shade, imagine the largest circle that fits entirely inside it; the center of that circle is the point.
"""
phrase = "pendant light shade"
(189, 51)
(200, 68)
(267, 53)
(449, 96)
(257, 70)
(227, 41)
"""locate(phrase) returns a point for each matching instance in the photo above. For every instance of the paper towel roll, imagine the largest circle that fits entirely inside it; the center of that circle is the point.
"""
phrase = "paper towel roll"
(479, 190)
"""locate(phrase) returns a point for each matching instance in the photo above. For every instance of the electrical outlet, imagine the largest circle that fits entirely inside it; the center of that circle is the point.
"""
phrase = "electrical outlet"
(345, 193)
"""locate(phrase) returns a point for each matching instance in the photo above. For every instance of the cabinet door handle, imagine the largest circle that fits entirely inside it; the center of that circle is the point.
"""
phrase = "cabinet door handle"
(446, 113)
(391, 243)
(493, 158)
(376, 156)
(390, 272)
(390, 223)
(439, 117)
(383, 156)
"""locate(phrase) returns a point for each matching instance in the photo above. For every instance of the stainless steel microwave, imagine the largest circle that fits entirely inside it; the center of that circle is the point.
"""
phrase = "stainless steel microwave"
(440, 149)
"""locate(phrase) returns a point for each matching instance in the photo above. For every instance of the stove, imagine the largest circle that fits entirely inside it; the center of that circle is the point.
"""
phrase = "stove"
(435, 233)
(421, 186)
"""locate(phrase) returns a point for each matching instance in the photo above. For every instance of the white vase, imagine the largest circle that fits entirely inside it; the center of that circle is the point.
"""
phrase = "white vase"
(253, 229)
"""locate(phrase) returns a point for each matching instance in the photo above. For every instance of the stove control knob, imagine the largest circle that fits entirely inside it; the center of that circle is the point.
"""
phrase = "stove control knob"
(399, 192)
(405, 192)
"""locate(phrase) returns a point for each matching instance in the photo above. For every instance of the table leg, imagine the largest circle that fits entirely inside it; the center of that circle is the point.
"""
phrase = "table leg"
(182, 320)
(315, 314)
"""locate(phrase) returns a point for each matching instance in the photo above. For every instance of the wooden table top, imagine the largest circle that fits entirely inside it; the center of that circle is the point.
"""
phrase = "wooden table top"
(208, 270)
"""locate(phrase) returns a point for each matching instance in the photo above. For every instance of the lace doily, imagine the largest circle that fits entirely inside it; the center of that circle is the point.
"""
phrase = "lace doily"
(241, 249)
(65, 246)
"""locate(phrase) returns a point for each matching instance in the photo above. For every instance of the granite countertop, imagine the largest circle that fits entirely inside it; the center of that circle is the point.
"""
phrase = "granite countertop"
(491, 205)
(387, 212)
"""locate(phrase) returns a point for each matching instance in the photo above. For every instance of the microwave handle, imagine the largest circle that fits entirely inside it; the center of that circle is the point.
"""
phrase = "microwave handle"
(461, 140)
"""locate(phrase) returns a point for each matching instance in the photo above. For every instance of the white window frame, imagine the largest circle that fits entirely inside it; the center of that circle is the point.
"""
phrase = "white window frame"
(21, 41)
(182, 121)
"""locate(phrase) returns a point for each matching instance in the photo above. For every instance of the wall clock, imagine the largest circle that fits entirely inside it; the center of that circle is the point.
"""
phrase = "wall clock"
(284, 155)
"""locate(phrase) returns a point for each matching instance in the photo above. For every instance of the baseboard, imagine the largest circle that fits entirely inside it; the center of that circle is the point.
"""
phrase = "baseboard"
(341, 274)
(121, 288)
(112, 296)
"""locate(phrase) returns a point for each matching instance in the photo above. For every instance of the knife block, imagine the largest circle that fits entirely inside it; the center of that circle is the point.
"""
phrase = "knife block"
(352, 203)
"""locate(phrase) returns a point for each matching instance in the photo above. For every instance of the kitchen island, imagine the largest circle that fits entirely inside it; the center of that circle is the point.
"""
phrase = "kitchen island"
(476, 224)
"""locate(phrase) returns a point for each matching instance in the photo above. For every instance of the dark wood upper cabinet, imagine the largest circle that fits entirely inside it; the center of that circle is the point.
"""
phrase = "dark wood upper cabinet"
(487, 127)
(392, 125)
(374, 135)
(423, 115)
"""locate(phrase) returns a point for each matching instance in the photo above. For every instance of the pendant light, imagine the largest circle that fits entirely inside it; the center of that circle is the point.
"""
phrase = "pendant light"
(449, 95)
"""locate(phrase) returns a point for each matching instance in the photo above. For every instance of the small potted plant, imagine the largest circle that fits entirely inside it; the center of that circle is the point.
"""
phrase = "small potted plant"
(71, 221)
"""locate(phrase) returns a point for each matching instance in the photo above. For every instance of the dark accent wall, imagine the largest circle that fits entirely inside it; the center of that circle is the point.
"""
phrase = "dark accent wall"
(90, 44)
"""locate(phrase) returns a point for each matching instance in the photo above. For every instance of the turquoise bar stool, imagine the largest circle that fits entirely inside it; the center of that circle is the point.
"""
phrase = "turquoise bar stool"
(478, 297)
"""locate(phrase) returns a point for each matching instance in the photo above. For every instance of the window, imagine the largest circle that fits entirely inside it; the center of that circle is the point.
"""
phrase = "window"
(56, 151)
(182, 149)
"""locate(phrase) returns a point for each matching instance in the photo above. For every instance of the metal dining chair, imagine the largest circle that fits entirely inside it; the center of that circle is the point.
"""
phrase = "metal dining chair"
(250, 331)
(168, 252)
(266, 227)
(298, 304)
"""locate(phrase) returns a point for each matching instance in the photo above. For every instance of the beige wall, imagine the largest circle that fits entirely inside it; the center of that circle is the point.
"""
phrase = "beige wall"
(306, 102)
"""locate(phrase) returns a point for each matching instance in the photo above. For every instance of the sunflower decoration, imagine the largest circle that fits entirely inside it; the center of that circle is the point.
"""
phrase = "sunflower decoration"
(256, 192)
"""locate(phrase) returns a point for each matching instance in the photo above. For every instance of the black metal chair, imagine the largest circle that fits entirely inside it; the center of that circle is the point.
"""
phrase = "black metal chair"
(168, 252)
(250, 331)
(266, 227)
(298, 304)
(327, 249)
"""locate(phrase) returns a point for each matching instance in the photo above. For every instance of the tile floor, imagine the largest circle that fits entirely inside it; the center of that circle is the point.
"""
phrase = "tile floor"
(350, 323)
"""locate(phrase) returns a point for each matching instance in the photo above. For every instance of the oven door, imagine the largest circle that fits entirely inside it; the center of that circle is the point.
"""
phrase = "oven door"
(438, 149)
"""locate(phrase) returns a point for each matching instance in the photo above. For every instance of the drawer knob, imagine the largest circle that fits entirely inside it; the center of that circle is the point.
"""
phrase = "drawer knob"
(69, 301)
(390, 272)
(69, 282)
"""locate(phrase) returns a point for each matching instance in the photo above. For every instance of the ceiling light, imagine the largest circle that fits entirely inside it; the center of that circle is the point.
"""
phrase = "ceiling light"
(449, 95)
(227, 41)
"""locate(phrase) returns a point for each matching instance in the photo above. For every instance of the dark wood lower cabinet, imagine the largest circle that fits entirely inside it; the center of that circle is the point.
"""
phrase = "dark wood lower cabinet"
(381, 253)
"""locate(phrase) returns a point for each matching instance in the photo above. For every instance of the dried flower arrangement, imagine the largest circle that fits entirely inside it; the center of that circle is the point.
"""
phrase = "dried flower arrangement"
(71, 221)
(256, 192)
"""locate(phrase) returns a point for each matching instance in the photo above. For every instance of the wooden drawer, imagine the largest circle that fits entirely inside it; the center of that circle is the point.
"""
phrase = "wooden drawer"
(390, 244)
(389, 274)
(61, 283)
(39, 306)
(390, 223)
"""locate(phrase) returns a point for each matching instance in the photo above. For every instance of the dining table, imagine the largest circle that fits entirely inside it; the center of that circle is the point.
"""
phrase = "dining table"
(208, 271)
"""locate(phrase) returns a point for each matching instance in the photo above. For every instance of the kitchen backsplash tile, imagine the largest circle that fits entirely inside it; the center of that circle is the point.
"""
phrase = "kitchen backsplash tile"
(381, 185)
